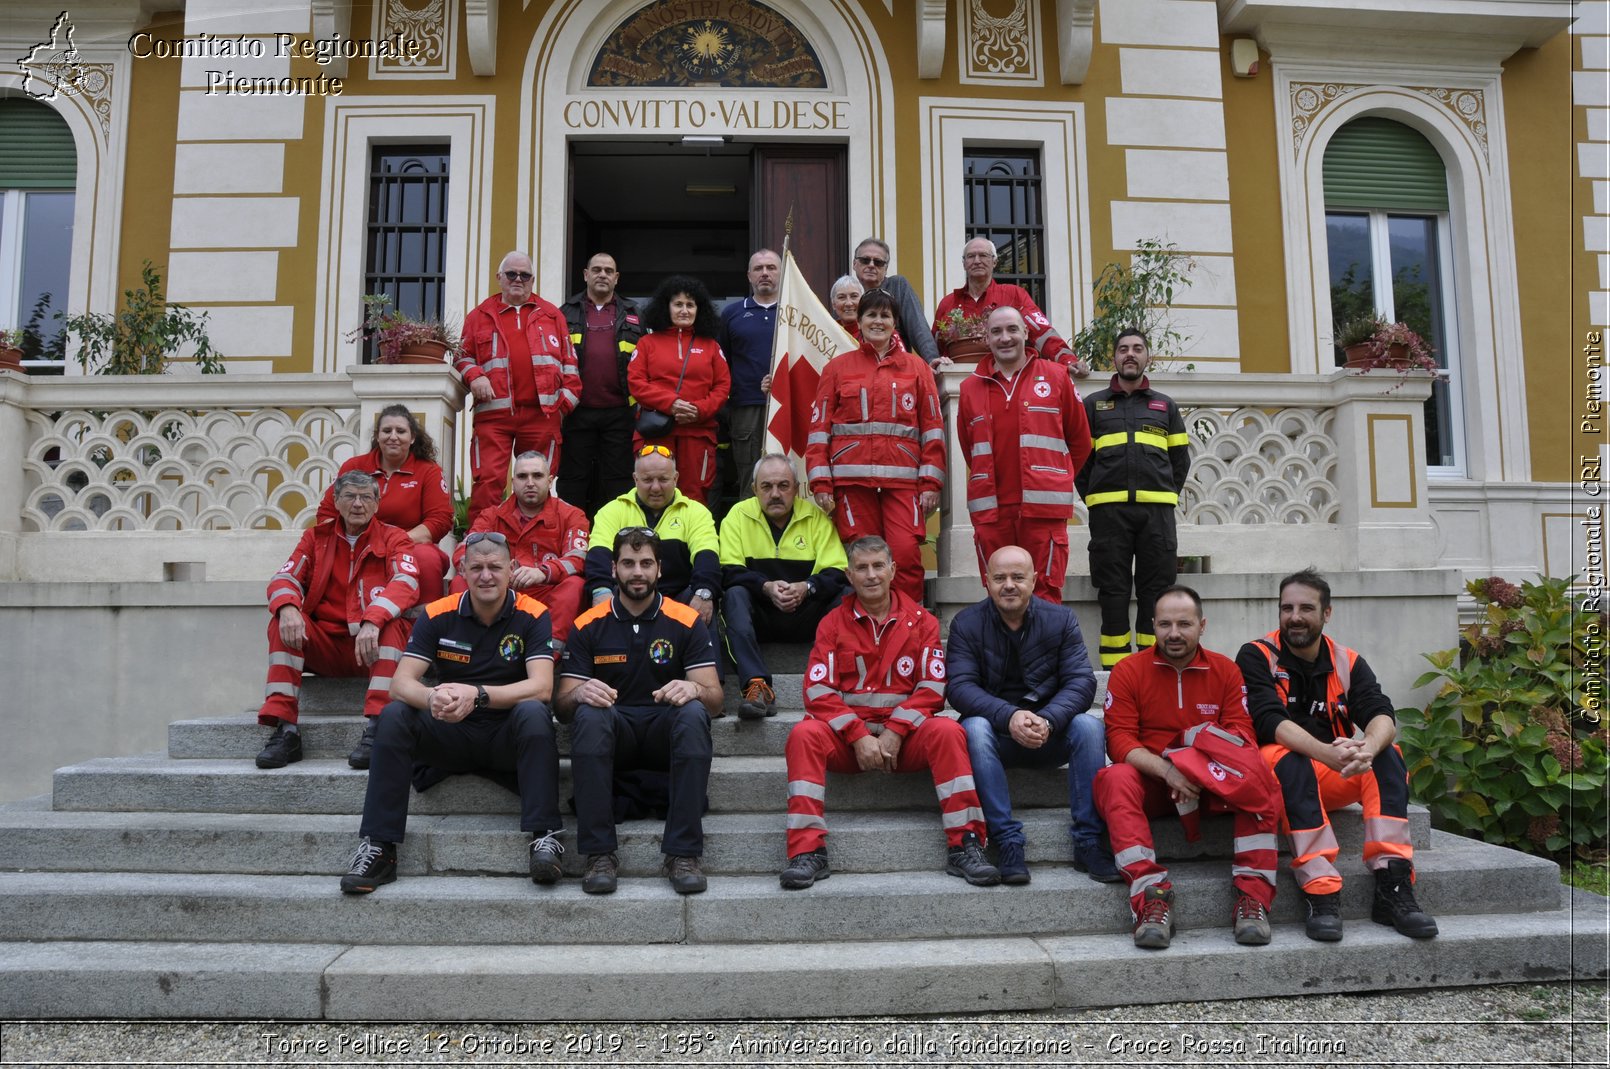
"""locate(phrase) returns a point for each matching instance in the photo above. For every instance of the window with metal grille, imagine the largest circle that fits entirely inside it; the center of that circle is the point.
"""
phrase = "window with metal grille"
(407, 258)
(1002, 189)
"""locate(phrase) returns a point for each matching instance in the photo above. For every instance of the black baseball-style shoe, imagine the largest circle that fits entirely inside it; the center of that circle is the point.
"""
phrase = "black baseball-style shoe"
(359, 757)
(373, 864)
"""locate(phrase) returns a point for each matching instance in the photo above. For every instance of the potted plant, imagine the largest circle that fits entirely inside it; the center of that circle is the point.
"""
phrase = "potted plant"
(963, 336)
(11, 341)
(1353, 337)
(145, 336)
(1371, 343)
(400, 338)
(1138, 296)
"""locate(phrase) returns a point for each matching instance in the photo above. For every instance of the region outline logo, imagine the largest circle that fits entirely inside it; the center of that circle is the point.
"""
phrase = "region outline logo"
(52, 66)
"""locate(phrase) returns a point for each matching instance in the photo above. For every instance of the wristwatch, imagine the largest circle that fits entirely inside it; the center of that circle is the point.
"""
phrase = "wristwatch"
(703, 592)
(481, 698)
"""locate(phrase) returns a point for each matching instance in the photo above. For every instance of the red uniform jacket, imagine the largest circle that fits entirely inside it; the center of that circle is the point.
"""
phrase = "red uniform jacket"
(861, 672)
(554, 541)
(384, 579)
(657, 363)
(1024, 441)
(416, 495)
(1006, 295)
(485, 351)
(876, 423)
(1151, 704)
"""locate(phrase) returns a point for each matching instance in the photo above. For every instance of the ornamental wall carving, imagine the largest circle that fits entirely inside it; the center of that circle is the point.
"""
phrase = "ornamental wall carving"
(1309, 99)
(1000, 41)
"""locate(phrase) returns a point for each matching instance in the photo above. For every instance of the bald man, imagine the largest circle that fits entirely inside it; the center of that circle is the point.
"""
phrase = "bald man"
(1021, 680)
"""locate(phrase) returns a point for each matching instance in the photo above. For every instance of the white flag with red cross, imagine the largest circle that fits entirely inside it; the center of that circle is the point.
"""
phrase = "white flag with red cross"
(807, 337)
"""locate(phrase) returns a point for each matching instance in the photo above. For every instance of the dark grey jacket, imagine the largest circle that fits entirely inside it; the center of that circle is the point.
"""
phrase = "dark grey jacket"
(1056, 668)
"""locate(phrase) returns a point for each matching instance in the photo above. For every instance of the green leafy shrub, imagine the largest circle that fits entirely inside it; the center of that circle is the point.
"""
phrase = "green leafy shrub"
(1512, 749)
(144, 336)
(1140, 295)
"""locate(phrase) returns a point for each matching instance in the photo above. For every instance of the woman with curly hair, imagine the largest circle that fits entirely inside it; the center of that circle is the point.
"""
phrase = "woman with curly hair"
(679, 378)
(413, 491)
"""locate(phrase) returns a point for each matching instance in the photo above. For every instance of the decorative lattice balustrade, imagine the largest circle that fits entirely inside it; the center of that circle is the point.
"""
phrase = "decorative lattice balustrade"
(1255, 465)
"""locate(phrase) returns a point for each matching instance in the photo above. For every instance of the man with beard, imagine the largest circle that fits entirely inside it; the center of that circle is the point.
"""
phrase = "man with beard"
(1328, 732)
(639, 677)
(604, 329)
(1131, 484)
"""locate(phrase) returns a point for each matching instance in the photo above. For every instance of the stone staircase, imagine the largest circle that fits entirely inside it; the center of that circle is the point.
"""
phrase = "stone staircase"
(191, 884)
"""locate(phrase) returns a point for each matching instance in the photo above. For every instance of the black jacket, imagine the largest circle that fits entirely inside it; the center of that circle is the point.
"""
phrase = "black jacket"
(1057, 678)
(1306, 685)
(1141, 453)
(628, 329)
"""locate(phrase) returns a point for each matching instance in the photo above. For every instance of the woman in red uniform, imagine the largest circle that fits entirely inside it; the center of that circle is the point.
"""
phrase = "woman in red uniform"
(680, 371)
(413, 491)
(875, 458)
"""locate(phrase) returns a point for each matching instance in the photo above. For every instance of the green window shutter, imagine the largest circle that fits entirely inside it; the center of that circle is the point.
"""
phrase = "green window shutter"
(36, 147)
(1377, 163)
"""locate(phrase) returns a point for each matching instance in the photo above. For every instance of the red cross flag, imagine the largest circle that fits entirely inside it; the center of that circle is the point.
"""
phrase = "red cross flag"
(807, 337)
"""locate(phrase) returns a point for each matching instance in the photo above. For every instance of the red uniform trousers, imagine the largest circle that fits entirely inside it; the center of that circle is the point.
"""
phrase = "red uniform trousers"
(499, 437)
(1046, 541)
(938, 744)
(1127, 799)
(433, 565)
(892, 514)
(329, 651)
(694, 454)
(1312, 788)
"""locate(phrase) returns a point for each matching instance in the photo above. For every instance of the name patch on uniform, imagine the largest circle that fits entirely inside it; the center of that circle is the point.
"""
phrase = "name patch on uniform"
(1104, 406)
(451, 644)
(453, 655)
(609, 658)
(1207, 710)
(1152, 428)
(1161, 406)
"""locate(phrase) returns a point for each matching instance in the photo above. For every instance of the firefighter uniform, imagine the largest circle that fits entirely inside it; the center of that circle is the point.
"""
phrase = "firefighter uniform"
(1334, 697)
(1153, 705)
(864, 678)
(554, 542)
(1139, 459)
(877, 441)
(600, 428)
(525, 354)
(1025, 438)
(339, 586)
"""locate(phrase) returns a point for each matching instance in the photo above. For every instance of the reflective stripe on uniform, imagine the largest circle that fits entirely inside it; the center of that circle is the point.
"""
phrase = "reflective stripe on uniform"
(1156, 497)
(1043, 441)
(805, 788)
(981, 449)
(1107, 497)
(1108, 441)
(496, 404)
(1048, 497)
(872, 471)
(960, 818)
(894, 430)
(950, 787)
(806, 820)
(981, 504)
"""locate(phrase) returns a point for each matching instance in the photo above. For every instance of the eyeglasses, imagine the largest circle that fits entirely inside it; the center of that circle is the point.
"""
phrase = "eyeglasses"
(486, 536)
(349, 496)
(978, 256)
(518, 276)
(871, 261)
(638, 532)
(650, 450)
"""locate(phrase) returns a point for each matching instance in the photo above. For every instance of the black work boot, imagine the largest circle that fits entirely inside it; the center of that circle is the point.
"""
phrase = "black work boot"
(1395, 904)
(1324, 916)
(967, 860)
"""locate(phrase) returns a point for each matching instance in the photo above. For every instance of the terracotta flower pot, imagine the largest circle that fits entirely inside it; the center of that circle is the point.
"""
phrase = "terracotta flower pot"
(424, 352)
(11, 357)
(1397, 355)
(967, 350)
(1359, 356)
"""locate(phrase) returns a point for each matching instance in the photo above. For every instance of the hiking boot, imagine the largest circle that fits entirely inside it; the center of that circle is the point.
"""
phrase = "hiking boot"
(759, 701)
(1013, 868)
(1395, 904)
(804, 870)
(359, 757)
(372, 865)
(1094, 858)
(685, 875)
(284, 747)
(1251, 922)
(1324, 916)
(599, 879)
(545, 855)
(1155, 925)
(968, 862)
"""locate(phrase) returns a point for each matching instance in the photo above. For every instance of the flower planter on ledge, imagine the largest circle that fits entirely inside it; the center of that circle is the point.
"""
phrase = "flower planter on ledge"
(424, 352)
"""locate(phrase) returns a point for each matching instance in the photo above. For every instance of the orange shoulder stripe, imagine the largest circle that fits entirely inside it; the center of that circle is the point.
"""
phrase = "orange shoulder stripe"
(441, 605)
(686, 615)
(526, 603)
(597, 612)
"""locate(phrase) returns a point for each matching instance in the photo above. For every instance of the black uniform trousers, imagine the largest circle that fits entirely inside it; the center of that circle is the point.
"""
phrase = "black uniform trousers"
(1130, 545)
(598, 457)
(620, 738)
(519, 739)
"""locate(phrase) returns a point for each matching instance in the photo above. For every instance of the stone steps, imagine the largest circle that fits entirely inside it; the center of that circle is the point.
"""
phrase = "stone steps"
(735, 843)
(214, 907)
(692, 981)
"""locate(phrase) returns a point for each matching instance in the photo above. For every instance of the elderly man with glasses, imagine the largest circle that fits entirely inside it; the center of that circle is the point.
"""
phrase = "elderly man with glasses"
(870, 266)
(981, 294)
(689, 554)
(516, 358)
(337, 609)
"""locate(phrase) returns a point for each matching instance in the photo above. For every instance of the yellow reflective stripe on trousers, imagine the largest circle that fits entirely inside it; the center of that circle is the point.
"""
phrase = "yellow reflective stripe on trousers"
(1107, 497)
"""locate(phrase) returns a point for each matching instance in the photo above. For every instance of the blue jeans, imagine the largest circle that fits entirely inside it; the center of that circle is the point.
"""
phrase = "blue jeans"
(1082, 747)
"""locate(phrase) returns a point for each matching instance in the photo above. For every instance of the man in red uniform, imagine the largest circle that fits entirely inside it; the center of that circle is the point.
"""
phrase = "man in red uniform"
(1328, 732)
(982, 295)
(516, 358)
(874, 689)
(1024, 433)
(1155, 697)
(547, 539)
(337, 608)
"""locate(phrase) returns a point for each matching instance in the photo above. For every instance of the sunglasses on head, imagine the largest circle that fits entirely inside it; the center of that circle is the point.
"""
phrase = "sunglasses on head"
(650, 450)
(486, 536)
(645, 532)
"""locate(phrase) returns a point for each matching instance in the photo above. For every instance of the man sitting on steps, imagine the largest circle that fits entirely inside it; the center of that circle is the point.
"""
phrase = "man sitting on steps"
(494, 666)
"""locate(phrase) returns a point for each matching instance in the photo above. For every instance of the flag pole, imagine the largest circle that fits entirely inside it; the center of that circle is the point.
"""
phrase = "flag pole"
(788, 229)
